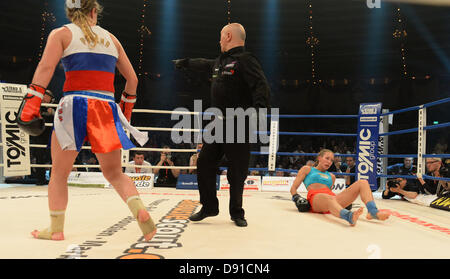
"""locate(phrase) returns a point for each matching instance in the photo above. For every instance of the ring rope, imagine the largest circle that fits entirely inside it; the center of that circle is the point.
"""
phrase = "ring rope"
(414, 177)
(442, 101)
(436, 126)
(307, 134)
(312, 116)
(124, 165)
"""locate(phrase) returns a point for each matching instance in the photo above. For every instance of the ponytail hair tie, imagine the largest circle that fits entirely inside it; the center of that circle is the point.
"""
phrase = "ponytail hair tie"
(73, 4)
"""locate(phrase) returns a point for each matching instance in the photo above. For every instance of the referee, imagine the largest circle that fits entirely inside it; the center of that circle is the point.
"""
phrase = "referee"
(237, 81)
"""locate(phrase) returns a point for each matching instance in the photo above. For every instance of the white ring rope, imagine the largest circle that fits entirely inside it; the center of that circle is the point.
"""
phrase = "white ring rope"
(153, 129)
(133, 149)
(124, 166)
(166, 111)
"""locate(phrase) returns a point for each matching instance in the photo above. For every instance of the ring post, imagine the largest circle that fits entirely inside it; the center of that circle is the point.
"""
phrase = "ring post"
(384, 146)
(125, 153)
(422, 141)
(367, 143)
(273, 145)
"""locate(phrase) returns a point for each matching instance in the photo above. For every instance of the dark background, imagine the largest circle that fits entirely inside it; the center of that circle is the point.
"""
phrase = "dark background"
(357, 60)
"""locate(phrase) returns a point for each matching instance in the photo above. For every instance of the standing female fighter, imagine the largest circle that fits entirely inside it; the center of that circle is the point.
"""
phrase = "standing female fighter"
(87, 111)
(318, 182)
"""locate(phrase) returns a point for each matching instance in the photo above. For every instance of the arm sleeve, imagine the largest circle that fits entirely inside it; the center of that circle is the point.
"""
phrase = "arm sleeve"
(389, 195)
(429, 188)
(200, 64)
(256, 80)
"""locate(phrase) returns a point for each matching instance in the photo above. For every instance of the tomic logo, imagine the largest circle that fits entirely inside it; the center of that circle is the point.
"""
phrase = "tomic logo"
(73, 4)
(374, 4)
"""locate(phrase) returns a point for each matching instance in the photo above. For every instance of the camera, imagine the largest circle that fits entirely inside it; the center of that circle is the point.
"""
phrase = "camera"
(393, 184)
(443, 171)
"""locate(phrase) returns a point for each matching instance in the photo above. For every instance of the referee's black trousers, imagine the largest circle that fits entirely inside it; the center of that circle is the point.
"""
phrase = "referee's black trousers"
(238, 156)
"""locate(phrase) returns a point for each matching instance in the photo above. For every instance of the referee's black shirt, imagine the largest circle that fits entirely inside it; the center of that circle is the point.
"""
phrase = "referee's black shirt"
(237, 80)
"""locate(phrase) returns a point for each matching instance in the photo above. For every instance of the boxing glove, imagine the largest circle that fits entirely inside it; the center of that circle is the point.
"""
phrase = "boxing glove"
(28, 117)
(127, 104)
(301, 203)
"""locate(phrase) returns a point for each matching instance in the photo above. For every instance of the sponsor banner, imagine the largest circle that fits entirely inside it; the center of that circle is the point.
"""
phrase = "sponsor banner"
(367, 143)
(11, 88)
(168, 233)
(279, 184)
(339, 185)
(441, 203)
(87, 179)
(142, 180)
(252, 183)
(83, 250)
(284, 184)
(96, 179)
(15, 142)
(189, 182)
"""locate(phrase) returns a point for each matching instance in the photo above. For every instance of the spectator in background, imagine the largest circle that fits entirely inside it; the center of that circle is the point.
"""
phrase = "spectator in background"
(310, 163)
(351, 168)
(279, 172)
(256, 172)
(91, 160)
(405, 168)
(294, 159)
(166, 177)
(441, 146)
(138, 160)
(193, 159)
(337, 165)
(435, 168)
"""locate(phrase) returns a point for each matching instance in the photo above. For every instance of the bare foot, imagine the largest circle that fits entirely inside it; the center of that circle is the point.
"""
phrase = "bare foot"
(44, 234)
(143, 217)
(381, 215)
(356, 215)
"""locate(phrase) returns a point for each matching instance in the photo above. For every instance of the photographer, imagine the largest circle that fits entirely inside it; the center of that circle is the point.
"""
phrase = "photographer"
(435, 168)
(401, 187)
(166, 177)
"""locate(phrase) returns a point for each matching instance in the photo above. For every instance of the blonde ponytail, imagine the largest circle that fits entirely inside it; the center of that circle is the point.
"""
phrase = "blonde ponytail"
(79, 16)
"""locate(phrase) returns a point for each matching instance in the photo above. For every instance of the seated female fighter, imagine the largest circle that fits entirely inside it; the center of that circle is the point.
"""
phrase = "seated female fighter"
(318, 182)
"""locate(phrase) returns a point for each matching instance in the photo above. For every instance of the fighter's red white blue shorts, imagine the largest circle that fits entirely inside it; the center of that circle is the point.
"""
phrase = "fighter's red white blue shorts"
(95, 117)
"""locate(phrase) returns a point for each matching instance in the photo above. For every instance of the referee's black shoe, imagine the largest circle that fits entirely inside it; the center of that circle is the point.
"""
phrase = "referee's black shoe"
(240, 221)
(202, 215)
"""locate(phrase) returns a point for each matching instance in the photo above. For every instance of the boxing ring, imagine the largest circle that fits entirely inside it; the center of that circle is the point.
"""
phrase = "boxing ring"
(99, 225)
